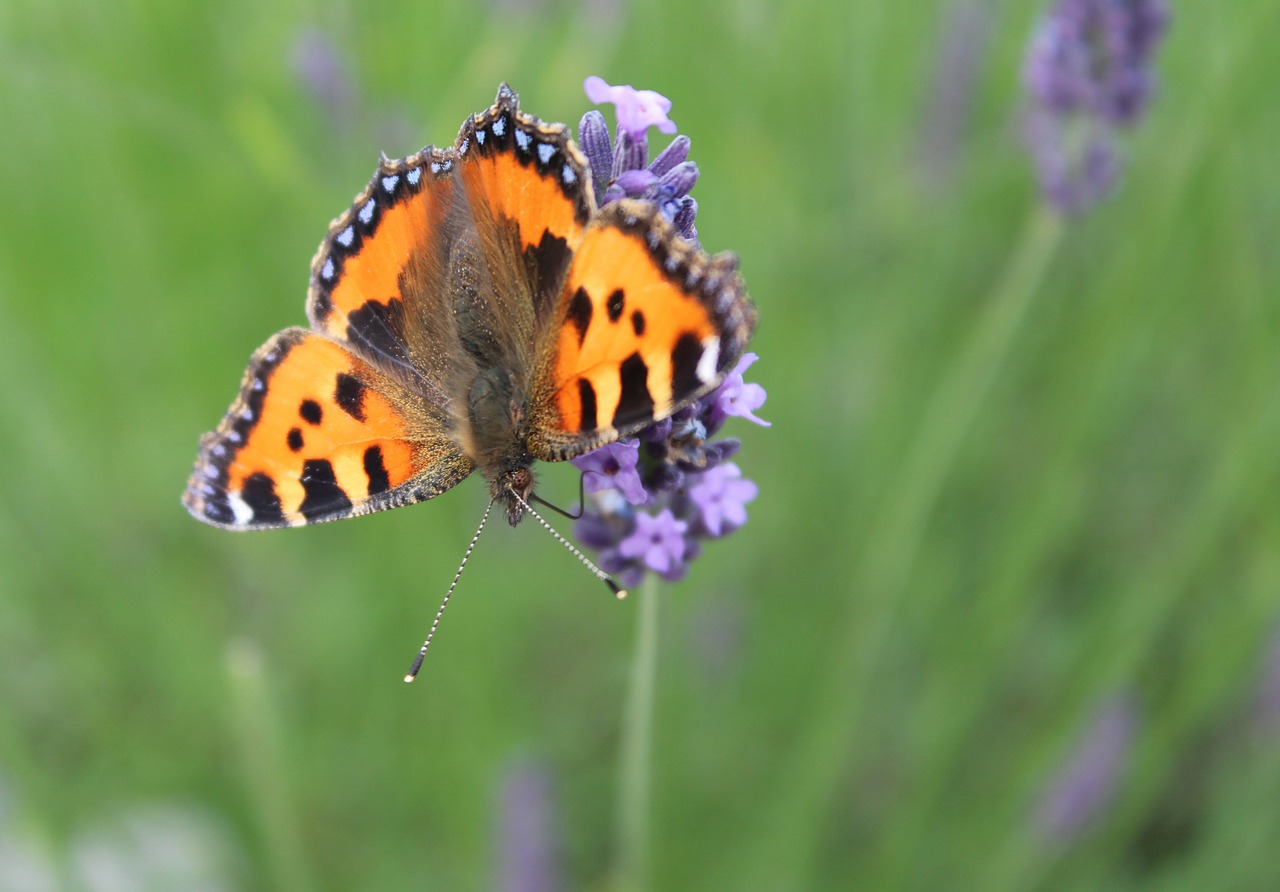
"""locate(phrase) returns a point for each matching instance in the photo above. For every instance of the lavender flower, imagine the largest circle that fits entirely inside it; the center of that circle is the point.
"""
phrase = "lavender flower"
(621, 168)
(1267, 694)
(528, 846)
(1087, 782)
(1088, 74)
(614, 467)
(691, 491)
(657, 542)
(655, 497)
(323, 71)
(638, 110)
(964, 32)
(735, 397)
(721, 495)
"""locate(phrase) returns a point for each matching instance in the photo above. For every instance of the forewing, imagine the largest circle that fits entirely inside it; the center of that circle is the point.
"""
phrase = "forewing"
(318, 434)
(378, 272)
(646, 323)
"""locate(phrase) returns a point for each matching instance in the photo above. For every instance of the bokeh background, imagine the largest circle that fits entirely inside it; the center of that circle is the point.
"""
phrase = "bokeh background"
(1004, 616)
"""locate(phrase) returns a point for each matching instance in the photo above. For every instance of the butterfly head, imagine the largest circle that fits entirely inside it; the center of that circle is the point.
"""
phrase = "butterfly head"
(505, 487)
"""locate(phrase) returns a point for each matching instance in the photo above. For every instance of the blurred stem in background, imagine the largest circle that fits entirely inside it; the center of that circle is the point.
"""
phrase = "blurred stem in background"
(258, 728)
(631, 820)
(825, 755)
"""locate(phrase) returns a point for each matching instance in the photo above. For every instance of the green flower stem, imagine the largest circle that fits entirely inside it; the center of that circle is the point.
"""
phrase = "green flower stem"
(828, 752)
(631, 821)
(258, 730)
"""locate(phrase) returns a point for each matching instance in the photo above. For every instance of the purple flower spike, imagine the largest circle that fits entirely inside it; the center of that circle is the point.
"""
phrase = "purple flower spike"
(614, 467)
(1088, 73)
(623, 170)
(654, 499)
(637, 110)
(721, 496)
(737, 398)
(657, 541)
(1087, 783)
(320, 66)
(528, 838)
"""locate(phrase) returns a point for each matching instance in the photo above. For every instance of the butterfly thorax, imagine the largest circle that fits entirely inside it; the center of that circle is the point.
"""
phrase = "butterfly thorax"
(496, 406)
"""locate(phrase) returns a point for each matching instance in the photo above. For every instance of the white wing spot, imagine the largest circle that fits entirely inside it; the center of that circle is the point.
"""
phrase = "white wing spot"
(389, 184)
(366, 212)
(258, 385)
(240, 508)
(706, 370)
(522, 140)
(466, 144)
(500, 126)
(545, 151)
(326, 273)
(210, 471)
(480, 135)
(568, 175)
(234, 437)
(347, 236)
(415, 175)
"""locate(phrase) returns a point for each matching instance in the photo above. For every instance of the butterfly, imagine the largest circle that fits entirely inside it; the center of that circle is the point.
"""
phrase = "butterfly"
(474, 309)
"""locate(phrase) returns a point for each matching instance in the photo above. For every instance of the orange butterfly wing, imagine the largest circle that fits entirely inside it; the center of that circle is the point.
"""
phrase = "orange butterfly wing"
(317, 434)
(647, 323)
(360, 290)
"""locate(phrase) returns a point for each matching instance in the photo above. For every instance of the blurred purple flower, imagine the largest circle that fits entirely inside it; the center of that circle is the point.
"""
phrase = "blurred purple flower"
(1087, 781)
(637, 110)
(963, 38)
(528, 845)
(614, 467)
(1088, 72)
(657, 542)
(321, 69)
(721, 495)
(1267, 697)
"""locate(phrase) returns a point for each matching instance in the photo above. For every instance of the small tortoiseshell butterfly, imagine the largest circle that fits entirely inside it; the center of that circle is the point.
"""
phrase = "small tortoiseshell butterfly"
(474, 308)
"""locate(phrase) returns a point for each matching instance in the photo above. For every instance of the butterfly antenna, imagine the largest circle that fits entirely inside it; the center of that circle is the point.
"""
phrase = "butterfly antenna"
(604, 577)
(422, 654)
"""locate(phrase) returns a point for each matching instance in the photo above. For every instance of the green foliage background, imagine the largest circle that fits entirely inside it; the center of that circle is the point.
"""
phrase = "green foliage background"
(1016, 471)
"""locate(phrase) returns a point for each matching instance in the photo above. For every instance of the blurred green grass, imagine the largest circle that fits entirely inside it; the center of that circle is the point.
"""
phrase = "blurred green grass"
(846, 699)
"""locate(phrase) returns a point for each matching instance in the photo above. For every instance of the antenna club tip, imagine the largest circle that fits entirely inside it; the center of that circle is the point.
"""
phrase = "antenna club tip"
(409, 678)
(622, 594)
